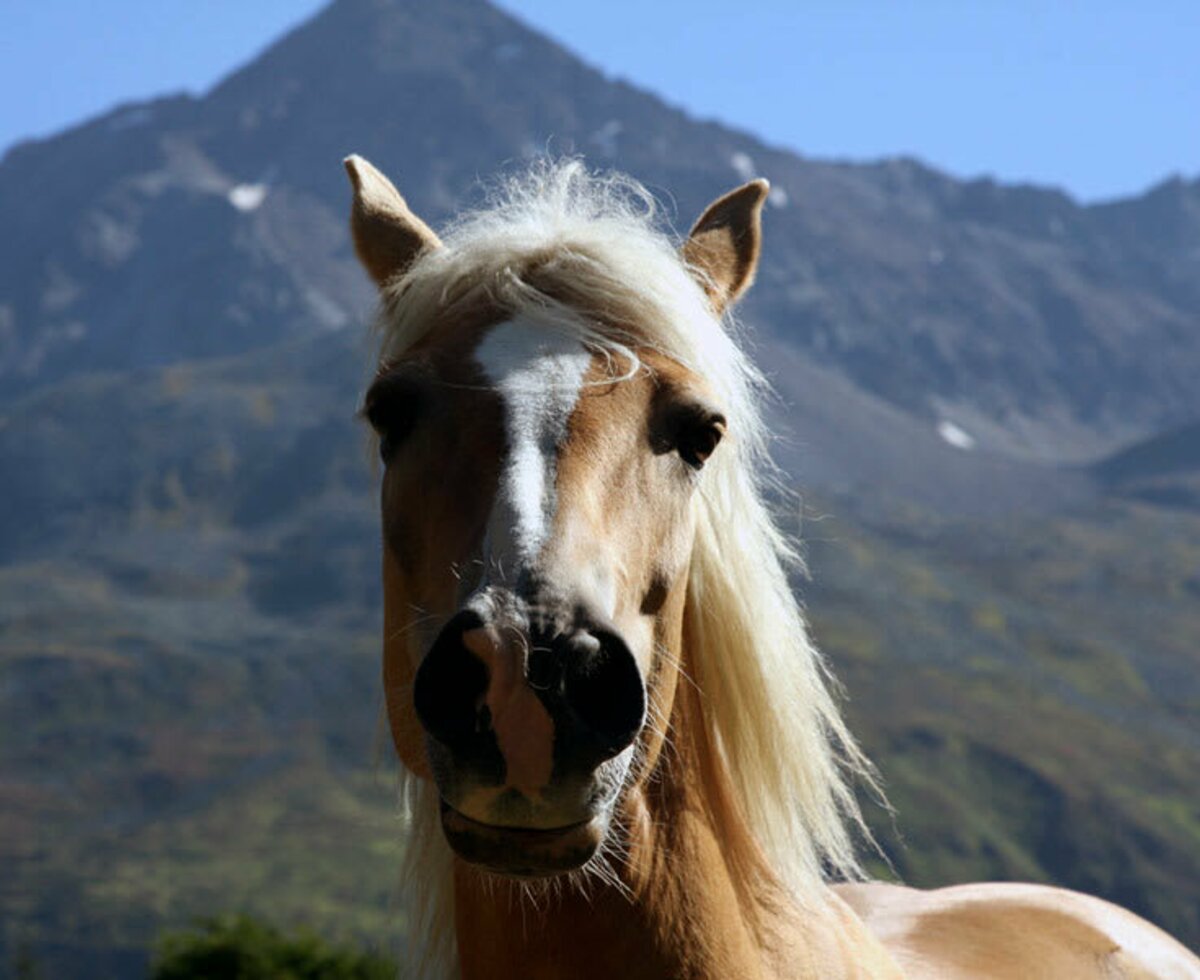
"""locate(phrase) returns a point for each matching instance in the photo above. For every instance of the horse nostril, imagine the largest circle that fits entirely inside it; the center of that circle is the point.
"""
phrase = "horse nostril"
(451, 684)
(603, 688)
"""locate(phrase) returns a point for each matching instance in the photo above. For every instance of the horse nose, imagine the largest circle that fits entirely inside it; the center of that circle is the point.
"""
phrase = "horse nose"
(602, 689)
(578, 695)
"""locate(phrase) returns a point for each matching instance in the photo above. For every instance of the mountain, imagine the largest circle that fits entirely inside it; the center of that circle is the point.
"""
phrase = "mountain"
(197, 227)
(986, 392)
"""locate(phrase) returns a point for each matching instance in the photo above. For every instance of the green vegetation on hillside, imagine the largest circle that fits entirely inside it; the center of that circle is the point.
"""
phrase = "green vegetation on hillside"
(242, 948)
(1030, 691)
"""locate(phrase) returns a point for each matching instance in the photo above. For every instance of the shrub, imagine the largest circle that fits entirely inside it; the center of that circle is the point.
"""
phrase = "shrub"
(242, 948)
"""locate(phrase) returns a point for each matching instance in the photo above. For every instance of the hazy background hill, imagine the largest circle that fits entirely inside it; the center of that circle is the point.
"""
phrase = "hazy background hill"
(988, 394)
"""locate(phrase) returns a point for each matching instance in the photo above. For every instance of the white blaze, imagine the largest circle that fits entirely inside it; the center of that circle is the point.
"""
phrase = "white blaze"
(538, 373)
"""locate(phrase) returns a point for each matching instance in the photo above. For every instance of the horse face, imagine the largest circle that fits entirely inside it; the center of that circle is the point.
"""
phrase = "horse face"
(538, 512)
(538, 524)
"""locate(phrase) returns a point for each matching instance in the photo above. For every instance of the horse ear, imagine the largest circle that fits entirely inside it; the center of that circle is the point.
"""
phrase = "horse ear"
(387, 235)
(724, 244)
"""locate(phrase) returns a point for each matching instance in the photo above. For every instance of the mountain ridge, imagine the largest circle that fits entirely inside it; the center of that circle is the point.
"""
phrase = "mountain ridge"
(918, 287)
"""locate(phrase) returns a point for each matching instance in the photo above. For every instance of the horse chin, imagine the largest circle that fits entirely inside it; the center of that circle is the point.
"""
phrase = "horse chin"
(521, 852)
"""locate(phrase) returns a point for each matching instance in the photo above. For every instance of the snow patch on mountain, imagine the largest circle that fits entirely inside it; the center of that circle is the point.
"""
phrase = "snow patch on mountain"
(958, 437)
(247, 197)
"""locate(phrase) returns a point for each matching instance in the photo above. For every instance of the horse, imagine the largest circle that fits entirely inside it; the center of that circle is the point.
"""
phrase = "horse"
(620, 751)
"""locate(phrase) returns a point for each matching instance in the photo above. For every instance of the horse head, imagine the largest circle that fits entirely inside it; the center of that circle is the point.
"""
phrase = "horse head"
(542, 458)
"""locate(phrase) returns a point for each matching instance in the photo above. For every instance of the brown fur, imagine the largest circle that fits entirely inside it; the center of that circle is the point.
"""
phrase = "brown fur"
(697, 900)
(1022, 932)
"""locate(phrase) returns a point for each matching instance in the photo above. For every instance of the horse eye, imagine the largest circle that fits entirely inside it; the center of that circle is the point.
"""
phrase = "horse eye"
(391, 407)
(698, 439)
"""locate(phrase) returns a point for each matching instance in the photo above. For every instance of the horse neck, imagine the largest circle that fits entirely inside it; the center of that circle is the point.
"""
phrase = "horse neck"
(692, 895)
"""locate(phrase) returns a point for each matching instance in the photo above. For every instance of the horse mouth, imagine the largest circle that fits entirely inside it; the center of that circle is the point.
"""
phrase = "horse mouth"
(522, 852)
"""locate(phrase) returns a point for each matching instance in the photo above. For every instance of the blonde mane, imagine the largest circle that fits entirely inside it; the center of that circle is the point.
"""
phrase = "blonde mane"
(584, 254)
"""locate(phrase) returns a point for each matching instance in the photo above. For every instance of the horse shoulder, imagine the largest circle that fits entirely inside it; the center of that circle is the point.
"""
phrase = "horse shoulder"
(1003, 931)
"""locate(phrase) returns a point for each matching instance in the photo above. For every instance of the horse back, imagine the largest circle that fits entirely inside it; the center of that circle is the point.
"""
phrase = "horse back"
(1017, 931)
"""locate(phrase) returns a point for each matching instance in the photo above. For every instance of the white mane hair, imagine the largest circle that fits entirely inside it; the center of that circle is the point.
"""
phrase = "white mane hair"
(586, 254)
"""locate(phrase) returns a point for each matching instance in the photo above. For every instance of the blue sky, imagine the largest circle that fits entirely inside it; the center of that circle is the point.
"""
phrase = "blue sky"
(1101, 98)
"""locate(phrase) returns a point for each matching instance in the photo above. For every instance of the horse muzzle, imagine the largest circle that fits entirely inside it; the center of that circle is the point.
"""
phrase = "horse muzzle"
(529, 734)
